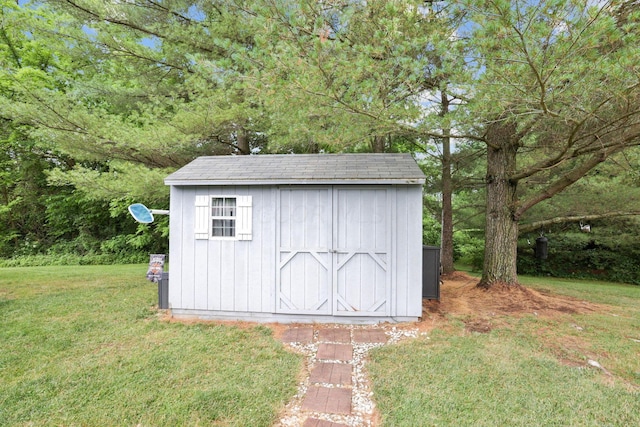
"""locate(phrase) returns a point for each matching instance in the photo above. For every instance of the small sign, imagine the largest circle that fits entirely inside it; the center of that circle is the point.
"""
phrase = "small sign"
(156, 266)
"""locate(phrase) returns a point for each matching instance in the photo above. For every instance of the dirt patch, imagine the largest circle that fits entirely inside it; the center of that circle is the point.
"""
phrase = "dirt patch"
(459, 295)
(276, 328)
(568, 350)
(482, 326)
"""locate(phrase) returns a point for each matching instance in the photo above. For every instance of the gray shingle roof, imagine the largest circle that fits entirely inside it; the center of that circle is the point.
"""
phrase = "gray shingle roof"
(299, 169)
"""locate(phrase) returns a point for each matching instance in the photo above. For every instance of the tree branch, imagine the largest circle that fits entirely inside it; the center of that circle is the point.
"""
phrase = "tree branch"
(133, 26)
(565, 181)
(12, 49)
(527, 228)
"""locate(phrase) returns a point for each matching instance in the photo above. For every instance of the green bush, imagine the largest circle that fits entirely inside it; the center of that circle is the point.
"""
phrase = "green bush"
(73, 259)
(84, 251)
(431, 229)
(583, 255)
(468, 249)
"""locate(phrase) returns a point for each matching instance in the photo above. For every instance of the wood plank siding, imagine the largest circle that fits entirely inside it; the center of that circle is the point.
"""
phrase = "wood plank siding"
(222, 275)
(329, 250)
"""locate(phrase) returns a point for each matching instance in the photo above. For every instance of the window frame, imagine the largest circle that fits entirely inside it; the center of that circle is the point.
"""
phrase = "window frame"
(223, 218)
(203, 217)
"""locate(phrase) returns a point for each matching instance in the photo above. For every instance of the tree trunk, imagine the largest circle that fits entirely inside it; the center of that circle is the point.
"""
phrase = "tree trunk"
(446, 243)
(501, 233)
(243, 141)
(378, 144)
(446, 254)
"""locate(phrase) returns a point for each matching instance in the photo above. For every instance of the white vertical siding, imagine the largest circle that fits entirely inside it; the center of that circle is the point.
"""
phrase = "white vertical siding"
(214, 264)
(227, 275)
(242, 261)
(175, 247)
(408, 251)
(189, 271)
(362, 240)
(380, 229)
(303, 243)
(401, 250)
(414, 261)
(200, 254)
(393, 195)
(267, 229)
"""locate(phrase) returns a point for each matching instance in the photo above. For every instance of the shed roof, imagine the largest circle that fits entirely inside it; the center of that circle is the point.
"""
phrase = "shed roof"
(269, 169)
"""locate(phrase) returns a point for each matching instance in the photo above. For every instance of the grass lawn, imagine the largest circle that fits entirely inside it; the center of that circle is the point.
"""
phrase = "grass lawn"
(526, 369)
(85, 346)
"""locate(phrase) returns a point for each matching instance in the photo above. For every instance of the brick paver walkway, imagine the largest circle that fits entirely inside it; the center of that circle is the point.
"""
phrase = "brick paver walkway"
(331, 373)
(367, 336)
(334, 335)
(330, 380)
(343, 352)
(330, 400)
(301, 335)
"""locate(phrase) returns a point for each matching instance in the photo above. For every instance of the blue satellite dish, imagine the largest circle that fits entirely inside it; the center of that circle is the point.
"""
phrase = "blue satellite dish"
(140, 213)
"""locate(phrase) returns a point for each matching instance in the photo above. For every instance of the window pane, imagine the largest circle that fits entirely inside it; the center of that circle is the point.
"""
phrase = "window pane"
(223, 228)
(223, 206)
(217, 206)
(230, 228)
(217, 228)
(230, 207)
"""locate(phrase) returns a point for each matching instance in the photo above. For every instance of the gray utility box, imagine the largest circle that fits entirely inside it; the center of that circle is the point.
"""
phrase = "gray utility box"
(431, 272)
(163, 292)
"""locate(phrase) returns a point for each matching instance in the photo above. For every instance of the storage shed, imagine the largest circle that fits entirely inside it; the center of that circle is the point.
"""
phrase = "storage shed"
(297, 238)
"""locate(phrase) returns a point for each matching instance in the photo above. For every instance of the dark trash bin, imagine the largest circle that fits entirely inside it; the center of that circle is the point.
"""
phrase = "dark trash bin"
(542, 247)
(163, 292)
(431, 272)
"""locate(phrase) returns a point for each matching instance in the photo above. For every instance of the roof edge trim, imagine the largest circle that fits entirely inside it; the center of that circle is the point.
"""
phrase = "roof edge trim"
(378, 181)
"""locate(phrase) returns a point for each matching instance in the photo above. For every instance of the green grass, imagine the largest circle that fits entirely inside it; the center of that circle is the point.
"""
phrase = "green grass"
(84, 345)
(529, 370)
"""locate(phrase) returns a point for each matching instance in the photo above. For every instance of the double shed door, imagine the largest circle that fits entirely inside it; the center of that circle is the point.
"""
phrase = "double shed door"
(333, 249)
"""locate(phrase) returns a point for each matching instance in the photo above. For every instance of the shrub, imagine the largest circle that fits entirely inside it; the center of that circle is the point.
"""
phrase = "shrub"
(584, 255)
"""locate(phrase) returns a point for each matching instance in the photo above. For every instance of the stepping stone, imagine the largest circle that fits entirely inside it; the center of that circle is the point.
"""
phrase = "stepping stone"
(332, 373)
(369, 336)
(334, 335)
(314, 422)
(342, 352)
(300, 335)
(327, 400)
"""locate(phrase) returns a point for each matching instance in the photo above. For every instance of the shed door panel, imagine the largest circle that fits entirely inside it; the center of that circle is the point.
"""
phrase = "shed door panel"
(361, 280)
(333, 251)
(304, 258)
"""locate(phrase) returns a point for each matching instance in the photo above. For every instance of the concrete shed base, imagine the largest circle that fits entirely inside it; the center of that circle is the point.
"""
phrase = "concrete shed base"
(285, 318)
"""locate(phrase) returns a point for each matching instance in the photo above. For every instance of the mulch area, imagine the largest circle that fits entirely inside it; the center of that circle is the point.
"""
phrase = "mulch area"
(460, 295)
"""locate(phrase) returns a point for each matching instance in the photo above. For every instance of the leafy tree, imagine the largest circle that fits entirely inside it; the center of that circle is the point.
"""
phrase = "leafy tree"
(346, 73)
(23, 162)
(559, 95)
(38, 217)
(607, 192)
(143, 88)
(352, 76)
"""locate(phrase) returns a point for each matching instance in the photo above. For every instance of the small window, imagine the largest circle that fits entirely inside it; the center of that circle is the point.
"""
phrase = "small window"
(223, 216)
